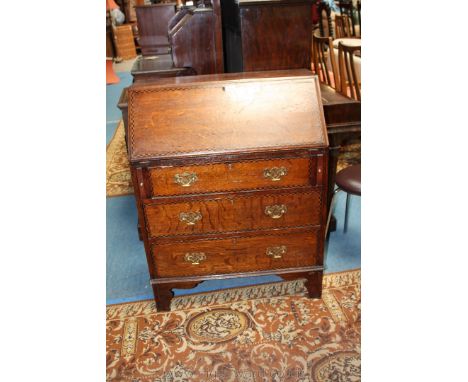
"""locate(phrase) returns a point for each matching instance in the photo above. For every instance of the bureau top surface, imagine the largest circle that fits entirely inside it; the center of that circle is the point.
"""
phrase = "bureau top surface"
(227, 113)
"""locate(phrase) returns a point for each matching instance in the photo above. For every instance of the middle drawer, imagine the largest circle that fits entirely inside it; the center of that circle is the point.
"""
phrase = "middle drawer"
(225, 213)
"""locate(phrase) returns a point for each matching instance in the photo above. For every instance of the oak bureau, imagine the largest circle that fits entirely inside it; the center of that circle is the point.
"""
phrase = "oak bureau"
(230, 177)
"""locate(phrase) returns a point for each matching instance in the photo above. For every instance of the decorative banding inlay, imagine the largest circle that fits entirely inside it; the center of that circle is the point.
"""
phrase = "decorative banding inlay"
(189, 238)
(156, 201)
(216, 149)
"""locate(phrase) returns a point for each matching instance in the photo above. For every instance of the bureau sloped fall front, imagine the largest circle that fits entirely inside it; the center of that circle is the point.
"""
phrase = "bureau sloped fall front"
(230, 178)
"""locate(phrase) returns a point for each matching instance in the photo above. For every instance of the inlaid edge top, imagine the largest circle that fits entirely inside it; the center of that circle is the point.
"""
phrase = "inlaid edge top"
(214, 114)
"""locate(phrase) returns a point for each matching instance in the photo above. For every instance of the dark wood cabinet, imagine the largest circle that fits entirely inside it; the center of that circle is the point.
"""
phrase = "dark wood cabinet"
(230, 173)
(195, 37)
(267, 35)
(153, 21)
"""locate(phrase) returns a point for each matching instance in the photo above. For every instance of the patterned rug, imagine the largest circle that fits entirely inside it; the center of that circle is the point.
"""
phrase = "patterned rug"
(119, 182)
(118, 179)
(349, 154)
(217, 336)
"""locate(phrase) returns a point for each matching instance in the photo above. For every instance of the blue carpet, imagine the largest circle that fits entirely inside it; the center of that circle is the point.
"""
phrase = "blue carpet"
(343, 251)
(127, 276)
(113, 114)
(126, 268)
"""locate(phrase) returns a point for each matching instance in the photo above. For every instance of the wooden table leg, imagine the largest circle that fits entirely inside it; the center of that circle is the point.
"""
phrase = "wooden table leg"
(140, 235)
(313, 283)
(163, 295)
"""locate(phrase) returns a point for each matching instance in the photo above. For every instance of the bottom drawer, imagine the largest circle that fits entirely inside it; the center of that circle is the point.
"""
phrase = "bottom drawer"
(233, 255)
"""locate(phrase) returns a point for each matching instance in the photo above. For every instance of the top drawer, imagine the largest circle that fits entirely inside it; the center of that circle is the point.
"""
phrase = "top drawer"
(254, 174)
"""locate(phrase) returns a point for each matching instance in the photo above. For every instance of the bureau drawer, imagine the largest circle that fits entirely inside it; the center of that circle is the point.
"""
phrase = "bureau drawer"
(219, 177)
(250, 211)
(236, 255)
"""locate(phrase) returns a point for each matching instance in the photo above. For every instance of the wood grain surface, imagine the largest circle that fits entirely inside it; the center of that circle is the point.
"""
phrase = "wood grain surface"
(195, 36)
(236, 254)
(232, 176)
(276, 36)
(266, 35)
(230, 116)
(153, 21)
(233, 213)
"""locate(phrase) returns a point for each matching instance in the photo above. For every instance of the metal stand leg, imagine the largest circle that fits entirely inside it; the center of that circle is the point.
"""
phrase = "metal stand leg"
(327, 234)
(346, 214)
(330, 210)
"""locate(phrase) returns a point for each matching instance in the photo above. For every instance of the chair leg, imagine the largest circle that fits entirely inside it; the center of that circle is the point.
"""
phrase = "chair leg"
(346, 214)
(332, 204)
(327, 233)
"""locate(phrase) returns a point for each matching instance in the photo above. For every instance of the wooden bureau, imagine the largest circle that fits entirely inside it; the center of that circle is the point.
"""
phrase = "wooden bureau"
(230, 177)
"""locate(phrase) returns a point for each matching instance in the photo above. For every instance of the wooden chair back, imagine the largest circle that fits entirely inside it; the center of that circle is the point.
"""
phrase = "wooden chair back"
(325, 20)
(347, 9)
(344, 23)
(324, 63)
(358, 8)
(347, 70)
(344, 26)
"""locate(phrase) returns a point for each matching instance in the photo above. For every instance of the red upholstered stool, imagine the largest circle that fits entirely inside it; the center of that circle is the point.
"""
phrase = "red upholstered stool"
(349, 181)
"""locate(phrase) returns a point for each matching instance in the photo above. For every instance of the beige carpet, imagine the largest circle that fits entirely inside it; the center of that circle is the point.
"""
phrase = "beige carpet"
(118, 179)
(244, 334)
(349, 154)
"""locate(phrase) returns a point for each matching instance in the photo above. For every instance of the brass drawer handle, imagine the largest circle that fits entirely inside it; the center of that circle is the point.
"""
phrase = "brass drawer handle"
(195, 257)
(186, 179)
(276, 252)
(276, 211)
(190, 217)
(275, 173)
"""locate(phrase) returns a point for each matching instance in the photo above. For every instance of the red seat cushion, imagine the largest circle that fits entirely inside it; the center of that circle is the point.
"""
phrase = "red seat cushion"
(349, 179)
